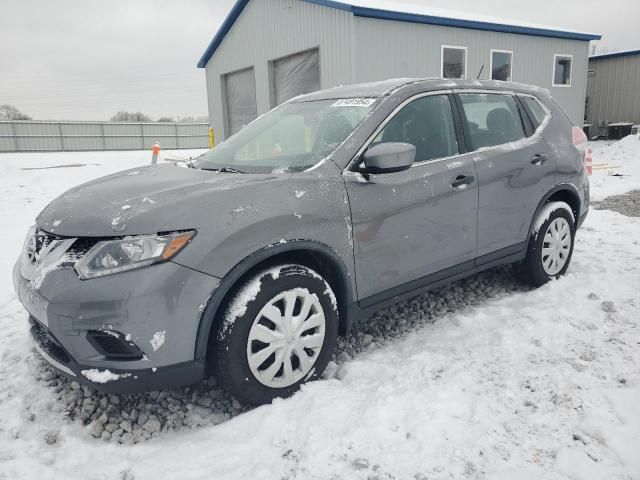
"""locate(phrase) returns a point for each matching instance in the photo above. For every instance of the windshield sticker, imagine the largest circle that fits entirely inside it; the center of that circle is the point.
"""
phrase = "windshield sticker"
(354, 102)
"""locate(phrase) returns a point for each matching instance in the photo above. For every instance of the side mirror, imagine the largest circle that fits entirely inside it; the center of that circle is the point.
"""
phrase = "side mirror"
(389, 157)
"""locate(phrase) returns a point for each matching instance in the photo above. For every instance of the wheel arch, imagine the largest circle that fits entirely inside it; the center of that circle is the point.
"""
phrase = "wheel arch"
(567, 193)
(309, 253)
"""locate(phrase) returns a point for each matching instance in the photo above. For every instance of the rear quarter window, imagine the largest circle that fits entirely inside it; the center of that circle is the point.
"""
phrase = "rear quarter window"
(535, 109)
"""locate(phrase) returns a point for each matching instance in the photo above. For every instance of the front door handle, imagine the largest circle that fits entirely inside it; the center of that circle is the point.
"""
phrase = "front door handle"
(539, 158)
(462, 181)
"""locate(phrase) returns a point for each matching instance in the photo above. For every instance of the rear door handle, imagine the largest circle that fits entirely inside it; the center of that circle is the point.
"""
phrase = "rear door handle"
(462, 181)
(539, 158)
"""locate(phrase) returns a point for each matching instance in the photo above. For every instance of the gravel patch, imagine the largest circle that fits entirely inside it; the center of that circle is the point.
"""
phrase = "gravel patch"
(627, 204)
(130, 419)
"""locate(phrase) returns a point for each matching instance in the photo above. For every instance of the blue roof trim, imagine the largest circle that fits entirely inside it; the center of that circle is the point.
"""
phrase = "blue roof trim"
(471, 24)
(614, 55)
(222, 32)
(401, 17)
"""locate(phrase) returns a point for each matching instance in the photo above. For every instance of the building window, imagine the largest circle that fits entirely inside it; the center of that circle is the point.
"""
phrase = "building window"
(295, 75)
(562, 70)
(454, 62)
(501, 65)
(240, 99)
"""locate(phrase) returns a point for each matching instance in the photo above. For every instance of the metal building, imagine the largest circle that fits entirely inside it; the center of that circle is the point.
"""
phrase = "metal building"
(268, 51)
(613, 93)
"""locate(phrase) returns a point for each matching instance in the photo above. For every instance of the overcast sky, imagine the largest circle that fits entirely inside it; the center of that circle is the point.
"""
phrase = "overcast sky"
(88, 59)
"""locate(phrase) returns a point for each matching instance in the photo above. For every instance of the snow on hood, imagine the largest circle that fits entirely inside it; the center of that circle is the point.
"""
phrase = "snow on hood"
(142, 201)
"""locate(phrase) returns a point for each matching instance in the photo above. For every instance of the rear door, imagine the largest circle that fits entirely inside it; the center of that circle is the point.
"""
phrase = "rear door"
(413, 224)
(514, 165)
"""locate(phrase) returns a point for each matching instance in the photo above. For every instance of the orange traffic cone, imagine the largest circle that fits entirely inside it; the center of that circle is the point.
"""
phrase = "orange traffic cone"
(588, 161)
(156, 151)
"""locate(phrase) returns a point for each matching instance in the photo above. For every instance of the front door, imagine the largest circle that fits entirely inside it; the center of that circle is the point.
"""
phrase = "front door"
(514, 171)
(409, 225)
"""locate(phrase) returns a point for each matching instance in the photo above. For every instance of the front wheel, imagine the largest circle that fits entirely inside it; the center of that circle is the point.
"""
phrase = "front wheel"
(278, 331)
(550, 246)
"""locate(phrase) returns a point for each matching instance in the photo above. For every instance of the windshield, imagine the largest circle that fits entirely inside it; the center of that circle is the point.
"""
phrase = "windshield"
(290, 138)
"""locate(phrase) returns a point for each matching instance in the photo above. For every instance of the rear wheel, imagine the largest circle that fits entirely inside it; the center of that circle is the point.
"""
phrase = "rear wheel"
(550, 247)
(278, 331)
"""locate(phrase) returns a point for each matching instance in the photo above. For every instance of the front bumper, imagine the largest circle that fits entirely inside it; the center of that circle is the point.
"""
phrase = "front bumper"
(151, 315)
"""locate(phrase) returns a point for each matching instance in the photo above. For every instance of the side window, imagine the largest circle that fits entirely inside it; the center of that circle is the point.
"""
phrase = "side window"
(492, 119)
(537, 111)
(426, 123)
(562, 70)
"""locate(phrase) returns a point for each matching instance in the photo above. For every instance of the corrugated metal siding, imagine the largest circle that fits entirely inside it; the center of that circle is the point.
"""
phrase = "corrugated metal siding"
(614, 91)
(271, 29)
(357, 49)
(27, 136)
(386, 49)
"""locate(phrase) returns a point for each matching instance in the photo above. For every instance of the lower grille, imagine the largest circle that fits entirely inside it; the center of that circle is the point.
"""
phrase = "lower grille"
(113, 345)
(47, 343)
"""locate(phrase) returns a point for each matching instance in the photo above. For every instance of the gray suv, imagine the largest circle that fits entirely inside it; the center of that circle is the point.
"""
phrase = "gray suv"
(250, 260)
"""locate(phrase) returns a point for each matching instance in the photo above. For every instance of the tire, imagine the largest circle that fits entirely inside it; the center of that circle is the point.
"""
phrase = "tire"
(550, 246)
(284, 353)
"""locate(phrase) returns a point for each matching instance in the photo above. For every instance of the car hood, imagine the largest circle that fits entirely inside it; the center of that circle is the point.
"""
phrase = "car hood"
(141, 201)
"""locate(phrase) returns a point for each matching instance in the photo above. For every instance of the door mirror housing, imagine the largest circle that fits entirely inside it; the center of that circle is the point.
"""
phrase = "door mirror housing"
(389, 157)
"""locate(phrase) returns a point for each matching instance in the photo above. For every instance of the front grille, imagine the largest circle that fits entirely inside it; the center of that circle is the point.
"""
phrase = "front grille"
(77, 250)
(47, 342)
(113, 345)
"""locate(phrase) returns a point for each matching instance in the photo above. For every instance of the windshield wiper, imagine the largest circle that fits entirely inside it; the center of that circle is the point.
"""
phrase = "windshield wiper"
(224, 170)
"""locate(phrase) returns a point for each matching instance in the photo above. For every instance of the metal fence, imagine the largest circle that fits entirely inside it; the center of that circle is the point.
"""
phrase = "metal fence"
(44, 136)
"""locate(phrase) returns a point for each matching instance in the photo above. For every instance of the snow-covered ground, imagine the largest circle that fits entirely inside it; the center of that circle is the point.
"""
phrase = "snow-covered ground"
(616, 167)
(482, 379)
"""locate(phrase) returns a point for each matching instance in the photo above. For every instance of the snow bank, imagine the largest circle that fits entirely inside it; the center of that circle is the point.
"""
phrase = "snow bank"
(616, 167)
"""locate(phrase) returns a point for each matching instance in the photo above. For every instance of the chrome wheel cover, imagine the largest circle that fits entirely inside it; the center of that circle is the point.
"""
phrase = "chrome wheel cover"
(286, 338)
(556, 246)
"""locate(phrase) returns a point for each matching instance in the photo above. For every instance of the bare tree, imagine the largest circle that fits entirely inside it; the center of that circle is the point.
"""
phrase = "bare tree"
(194, 120)
(166, 119)
(123, 116)
(9, 112)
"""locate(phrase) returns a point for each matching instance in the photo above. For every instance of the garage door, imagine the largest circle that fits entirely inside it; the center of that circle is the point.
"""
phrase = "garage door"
(240, 95)
(295, 75)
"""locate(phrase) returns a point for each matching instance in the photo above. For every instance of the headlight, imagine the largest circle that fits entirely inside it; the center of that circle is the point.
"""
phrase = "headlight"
(29, 247)
(113, 256)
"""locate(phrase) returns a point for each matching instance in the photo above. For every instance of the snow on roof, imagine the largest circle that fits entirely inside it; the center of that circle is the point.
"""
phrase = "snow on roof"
(403, 12)
(437, 12)
(624, 53)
